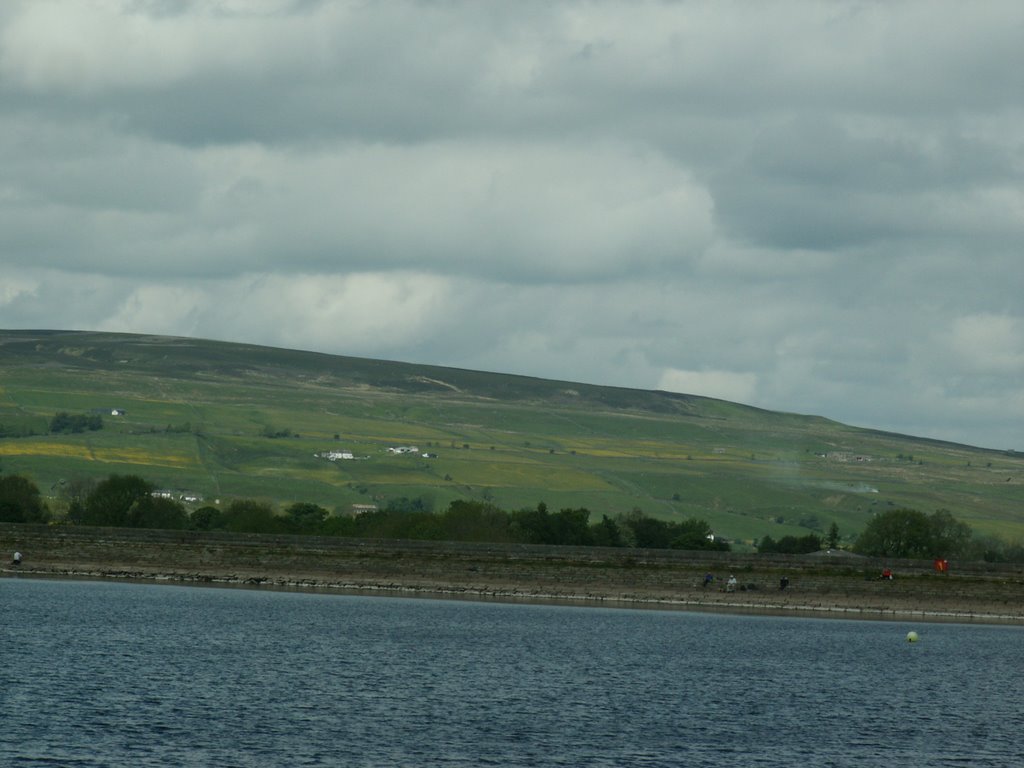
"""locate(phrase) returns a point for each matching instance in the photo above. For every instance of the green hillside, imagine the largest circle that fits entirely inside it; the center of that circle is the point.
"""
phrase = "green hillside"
(225, 421)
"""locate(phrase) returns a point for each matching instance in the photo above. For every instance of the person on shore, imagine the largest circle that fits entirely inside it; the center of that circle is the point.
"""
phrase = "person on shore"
(708, 578)
(16, 560)
(783, 582)
(730, 585)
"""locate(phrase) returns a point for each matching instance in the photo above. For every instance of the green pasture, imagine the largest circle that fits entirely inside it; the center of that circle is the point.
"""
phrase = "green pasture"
(199, 415)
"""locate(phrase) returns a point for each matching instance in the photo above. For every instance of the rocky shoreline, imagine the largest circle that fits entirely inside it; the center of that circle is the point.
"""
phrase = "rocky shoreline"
(837, 586)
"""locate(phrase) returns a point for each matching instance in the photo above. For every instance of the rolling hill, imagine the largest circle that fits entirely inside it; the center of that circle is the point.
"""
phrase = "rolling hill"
(217, 421)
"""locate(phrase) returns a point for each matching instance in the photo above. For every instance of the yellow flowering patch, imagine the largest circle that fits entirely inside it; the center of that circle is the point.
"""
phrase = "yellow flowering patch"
(130, 456)
(104, 454)
(39, 448)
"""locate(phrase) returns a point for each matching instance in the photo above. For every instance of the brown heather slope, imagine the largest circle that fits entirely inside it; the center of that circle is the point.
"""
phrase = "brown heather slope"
(838, 585)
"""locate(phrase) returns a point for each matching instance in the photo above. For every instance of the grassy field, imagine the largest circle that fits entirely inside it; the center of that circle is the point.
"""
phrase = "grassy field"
(199, 415)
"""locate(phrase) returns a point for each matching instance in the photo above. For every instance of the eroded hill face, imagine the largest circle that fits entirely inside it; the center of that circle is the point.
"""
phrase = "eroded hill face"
(220, 421)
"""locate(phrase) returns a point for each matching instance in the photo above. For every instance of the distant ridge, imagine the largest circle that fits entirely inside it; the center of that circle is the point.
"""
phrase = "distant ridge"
(192, 356)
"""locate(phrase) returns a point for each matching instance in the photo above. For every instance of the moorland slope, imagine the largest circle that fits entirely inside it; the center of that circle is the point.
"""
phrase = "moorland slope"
(216, 421)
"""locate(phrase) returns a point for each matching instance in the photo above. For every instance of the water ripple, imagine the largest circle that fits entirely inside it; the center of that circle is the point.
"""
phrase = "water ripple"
(98, 674)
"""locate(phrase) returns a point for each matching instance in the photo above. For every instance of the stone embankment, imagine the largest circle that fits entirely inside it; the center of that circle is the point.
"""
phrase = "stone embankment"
(834, 584)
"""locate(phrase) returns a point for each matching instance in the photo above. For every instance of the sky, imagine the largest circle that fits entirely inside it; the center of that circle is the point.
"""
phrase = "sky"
(812, 207)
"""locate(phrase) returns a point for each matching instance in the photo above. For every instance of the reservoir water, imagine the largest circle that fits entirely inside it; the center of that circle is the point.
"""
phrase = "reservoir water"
(115, 674)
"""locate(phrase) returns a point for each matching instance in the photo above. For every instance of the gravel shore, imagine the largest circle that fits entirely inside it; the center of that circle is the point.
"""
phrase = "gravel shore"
(839, 586)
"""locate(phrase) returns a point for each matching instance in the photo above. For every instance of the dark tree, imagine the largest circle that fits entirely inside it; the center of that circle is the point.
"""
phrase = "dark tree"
(249, 516)
(606, 533)
(693, 533)
(76, 491)
(78, 488)
(897, 533)
(910, 533)
(112, 500)
(994, 550)
(791, 545)
(470, 520)
(405, 504)
(20, 501)
(305, 518)
(950, 537)
(206, 519)
(570, 527)
(648, 532)
(388, 524)
(533, 526)
(151, 512)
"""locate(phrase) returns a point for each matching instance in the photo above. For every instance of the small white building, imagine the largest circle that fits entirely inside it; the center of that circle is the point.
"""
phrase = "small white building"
(189, 497)
(336, 455)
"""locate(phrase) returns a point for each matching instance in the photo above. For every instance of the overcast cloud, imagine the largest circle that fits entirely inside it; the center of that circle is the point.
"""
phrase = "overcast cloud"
(814, 207)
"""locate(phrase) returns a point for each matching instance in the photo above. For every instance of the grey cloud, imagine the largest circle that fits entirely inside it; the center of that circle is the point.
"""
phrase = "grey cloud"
(815, 205)
(522, 212)
(87, 165)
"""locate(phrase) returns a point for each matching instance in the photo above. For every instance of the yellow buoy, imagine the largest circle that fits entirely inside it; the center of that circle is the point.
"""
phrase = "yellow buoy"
(911, 637)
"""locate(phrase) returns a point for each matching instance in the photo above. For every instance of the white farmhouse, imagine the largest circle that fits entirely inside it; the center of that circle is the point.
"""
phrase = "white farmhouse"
(336, 455)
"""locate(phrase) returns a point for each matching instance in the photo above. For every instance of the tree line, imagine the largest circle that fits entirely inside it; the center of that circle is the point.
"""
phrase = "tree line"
(61, 423)
(75, 423)
(913, 534)
(801, 545)
(464, 520)
(129, 501)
